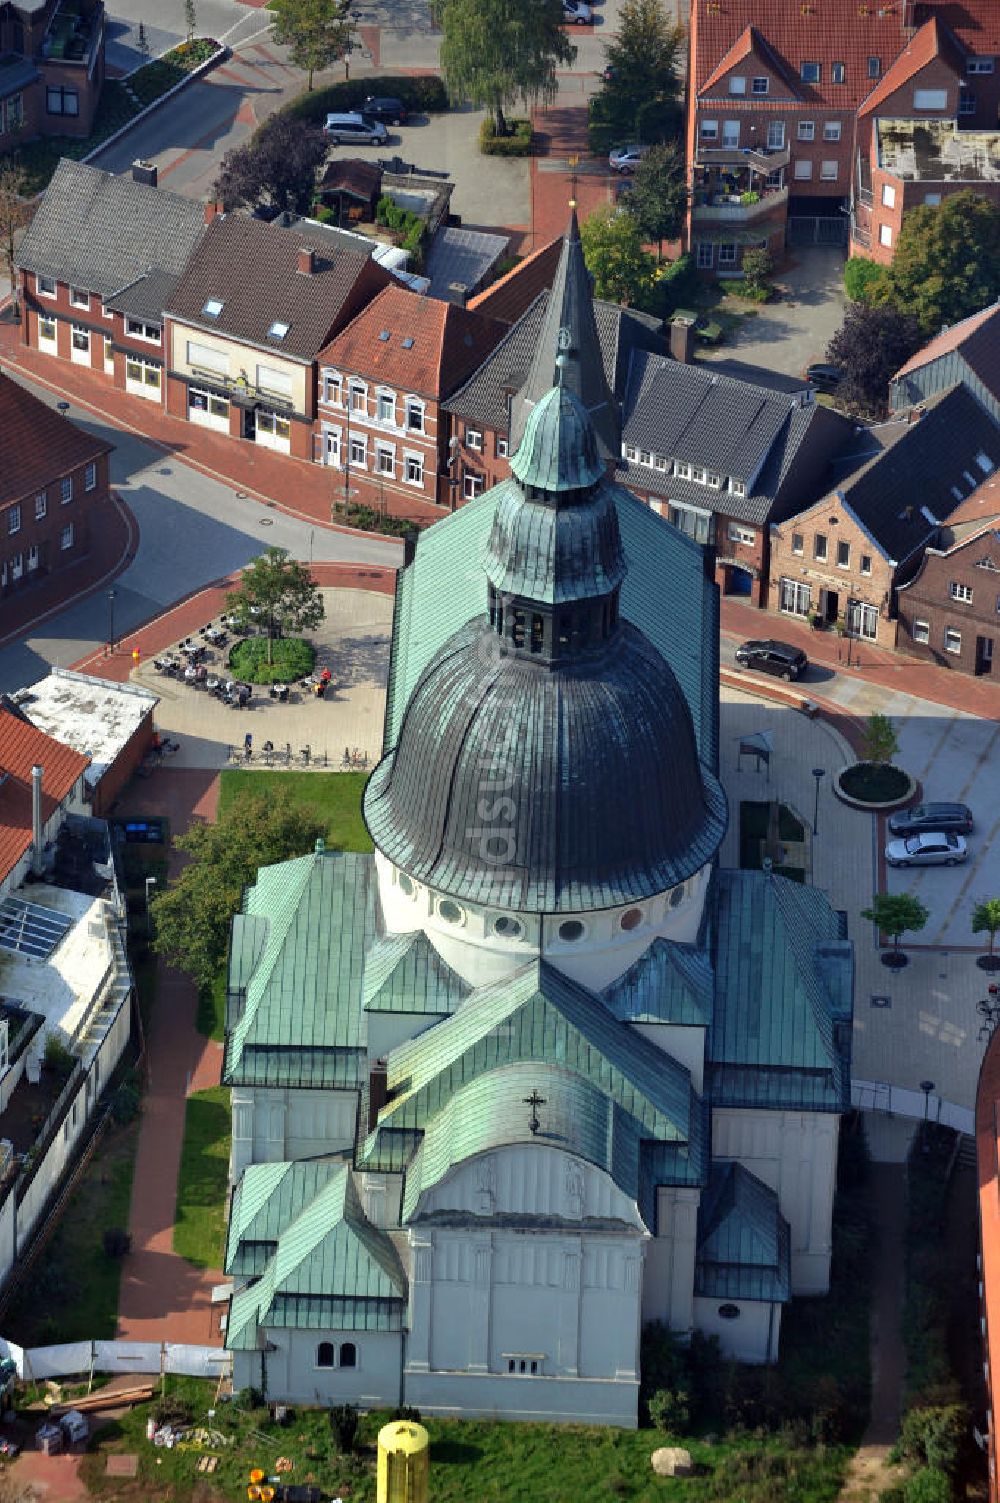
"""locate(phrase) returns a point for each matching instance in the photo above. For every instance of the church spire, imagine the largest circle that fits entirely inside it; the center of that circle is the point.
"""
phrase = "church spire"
(569, 329)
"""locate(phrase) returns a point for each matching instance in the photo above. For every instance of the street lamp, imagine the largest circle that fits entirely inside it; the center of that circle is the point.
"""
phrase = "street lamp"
(927, 1086)
(819, 773)
(150, 884)
(111, 620)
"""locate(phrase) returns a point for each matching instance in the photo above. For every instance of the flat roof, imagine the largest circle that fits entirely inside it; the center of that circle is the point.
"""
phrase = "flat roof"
(88, 714)
(936, 151)
(62, 988)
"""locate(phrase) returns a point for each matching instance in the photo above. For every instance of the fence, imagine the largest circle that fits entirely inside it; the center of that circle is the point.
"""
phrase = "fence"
(880, 1096)
(156, 1357)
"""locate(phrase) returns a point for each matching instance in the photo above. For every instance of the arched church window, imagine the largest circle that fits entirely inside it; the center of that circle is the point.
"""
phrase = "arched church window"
(631, 919)
(517, 629)
(405, 885)
(450, 912)
(729, 1312)
(324, 1354)
(677, 896)
(537, 632)
(571, 931)
(348, 1354)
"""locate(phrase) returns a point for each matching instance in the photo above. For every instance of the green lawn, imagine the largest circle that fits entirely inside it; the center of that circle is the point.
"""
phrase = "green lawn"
(334, 795)
(71, 1293)
(472, 1461)
(200, 1217)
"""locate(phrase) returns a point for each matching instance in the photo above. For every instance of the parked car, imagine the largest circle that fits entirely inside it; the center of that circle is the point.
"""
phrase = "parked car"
(626, 158)
(780, 658)
(936, 848)
(577, 11)
(382, 107)
(937, 817)
(353, 129)
(824, 377)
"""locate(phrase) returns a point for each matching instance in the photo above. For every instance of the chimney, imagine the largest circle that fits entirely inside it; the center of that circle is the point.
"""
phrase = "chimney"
(410, 540)
(378, 1091)
(307, 261)
(145, 173)
(36, 820)
(457, 293)
(682, 340)
(212, 210)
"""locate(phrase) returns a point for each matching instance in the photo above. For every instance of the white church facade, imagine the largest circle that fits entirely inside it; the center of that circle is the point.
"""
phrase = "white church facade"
(539, 1070)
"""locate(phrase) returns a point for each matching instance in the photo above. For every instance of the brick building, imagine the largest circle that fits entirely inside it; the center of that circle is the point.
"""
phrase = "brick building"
(381, 384)
(247, 320)
(53, 490)
(823, 120)
(949, 612)
(51, 69)
(843, 559)
(96, 267)
(968, 352)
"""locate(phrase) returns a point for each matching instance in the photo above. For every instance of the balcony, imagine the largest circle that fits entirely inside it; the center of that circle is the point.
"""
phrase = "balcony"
(74, 33)
(756, 158)
(737, 208)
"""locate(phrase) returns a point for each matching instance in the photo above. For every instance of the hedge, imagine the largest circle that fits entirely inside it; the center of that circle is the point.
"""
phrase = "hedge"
(425, 93)
(516, 144)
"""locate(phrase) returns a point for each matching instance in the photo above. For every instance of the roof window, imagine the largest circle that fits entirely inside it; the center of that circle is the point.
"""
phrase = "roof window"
(278, 329)
(985, 463)
(408, 343)
(213, 307)
(384, 336)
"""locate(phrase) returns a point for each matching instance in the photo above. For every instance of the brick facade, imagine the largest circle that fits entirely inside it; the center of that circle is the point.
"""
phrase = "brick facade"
(397, 440)
(806, 577)
(949, 613)
(42, 532)
(41, 92)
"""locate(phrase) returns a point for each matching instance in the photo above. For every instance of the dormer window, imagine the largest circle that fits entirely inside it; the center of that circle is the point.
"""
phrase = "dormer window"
(278, 330)
(737, 488)
(213, 307)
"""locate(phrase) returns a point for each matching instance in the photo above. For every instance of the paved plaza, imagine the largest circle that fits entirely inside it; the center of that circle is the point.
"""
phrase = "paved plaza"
(353, 642)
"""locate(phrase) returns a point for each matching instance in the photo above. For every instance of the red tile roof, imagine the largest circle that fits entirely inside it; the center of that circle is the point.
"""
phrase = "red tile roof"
(37, 444)
(22, 746)
(949, 340)
(752, 43)
(827, 31)
(983, 505)
(512, 295)
(931, 41)
(432, 346)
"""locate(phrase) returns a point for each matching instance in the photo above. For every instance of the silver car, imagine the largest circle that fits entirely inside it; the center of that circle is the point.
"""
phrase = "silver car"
(578, 11)
(935, 848)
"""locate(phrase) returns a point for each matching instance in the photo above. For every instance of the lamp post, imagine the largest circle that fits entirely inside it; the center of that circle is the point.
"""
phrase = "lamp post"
(927, 1086)
(819, 773)
(150, 884)
(111, 621)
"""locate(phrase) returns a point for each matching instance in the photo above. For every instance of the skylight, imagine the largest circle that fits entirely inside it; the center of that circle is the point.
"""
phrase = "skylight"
(213, 307)
(384, 335)
(985, 463)
(407, 343)
(278, 330)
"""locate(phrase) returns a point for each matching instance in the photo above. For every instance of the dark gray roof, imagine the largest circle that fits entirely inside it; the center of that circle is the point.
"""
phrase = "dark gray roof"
(931, 459)
(568, 350)
(484, 397)
(463, 256)
(146, 297)
(251, 268)
(99, 232)
(756, 375)
(16, 72)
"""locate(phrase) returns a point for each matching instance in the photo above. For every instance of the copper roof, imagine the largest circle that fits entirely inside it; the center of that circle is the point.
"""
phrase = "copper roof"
(37, 444)
(23, 746)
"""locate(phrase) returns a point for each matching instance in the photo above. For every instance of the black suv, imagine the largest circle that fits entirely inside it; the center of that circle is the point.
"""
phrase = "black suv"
(389, 111)
(923, 817)
(772, 657)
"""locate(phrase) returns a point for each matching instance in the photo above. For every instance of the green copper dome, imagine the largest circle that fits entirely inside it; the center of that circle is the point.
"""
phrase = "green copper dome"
(559, 449)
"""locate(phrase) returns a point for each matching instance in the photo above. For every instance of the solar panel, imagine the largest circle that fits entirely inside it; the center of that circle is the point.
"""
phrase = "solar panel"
(30, 929)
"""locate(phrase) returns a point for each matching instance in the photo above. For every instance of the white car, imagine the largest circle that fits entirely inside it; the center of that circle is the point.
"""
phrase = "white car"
(578, 11)
(626, 158)
(935, 848)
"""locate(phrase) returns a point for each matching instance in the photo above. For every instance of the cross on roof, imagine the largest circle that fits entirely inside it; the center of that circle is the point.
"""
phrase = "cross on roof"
(534, 1101)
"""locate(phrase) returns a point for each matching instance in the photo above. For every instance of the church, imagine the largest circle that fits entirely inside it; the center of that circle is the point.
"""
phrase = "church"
(539, 1070)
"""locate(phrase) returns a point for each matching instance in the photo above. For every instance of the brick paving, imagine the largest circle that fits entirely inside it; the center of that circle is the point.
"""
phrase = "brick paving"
(49, 1479)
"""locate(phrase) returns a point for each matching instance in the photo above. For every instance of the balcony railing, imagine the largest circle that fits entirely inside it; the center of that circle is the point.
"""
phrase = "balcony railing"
(74, 33)
(738, 211)
(760, 158)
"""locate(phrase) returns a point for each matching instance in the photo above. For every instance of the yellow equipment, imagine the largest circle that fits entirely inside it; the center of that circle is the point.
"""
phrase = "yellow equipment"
(404, 1463)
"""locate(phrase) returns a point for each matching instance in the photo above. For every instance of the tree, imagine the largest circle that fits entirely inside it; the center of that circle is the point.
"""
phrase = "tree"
(277, 166)
(986, 919)
(191, 918)
(612, 248)
(894, 913)
(497, 52)
(15, 213)
(879, 740)
(640, 98)
(758, 268)
(659, 196)
(869, 347)
(861, 278)
(190, 19)
(947, 261)
(318, 33)
(277, 593)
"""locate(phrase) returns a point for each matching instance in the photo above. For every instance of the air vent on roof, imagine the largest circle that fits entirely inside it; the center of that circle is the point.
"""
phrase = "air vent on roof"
(985, 463)
(407, 343)
(384, 335)
(278, 330)
(213, 307)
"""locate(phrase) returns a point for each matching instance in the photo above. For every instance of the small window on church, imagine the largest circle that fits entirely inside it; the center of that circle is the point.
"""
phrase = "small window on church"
(511, 1365)
(450, 912)
(522, 1366)
(534, 1367)
(324, 1354)
(571, 931)
(506, 928)
(631, 918)
(729, 1312)
(517, 629)
(677, 896)
(537, 633)
(405, 885)
(348, 1354)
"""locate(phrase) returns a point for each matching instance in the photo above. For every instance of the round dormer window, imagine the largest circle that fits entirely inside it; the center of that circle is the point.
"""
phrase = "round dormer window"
(405, 885)
(570, 931)
(631, 919)
(450, 912)
(507, 928)
(729, 1312)
(677, 896)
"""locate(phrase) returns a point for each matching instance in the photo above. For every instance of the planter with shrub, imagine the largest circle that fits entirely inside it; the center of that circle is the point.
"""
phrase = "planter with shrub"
(516, 143)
